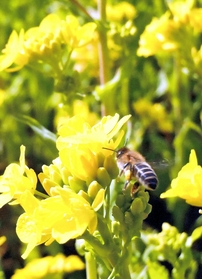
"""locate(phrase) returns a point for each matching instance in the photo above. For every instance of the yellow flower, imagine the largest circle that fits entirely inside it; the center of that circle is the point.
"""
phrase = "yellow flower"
(185, 13)
(75, 35)
(16, 179)
(188, 184)
(79, 108)
(123, 10)
(180, 10)
(195, 16)
(28, 228)
(49, 266)
(2, 240)
(153, 114)
(52, 175)
(14, 52)
(37, 42)
(80, 144)
(45, 43)
(44, 40)
(61, 217)
(159, 36)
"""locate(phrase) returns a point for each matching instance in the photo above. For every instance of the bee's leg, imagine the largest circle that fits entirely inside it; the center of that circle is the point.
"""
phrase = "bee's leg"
(126, 184)
(135, 188)
(127, 169)
(121, 172)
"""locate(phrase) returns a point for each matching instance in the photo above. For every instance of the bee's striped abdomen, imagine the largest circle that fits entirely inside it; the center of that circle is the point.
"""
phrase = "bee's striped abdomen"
(146, 175)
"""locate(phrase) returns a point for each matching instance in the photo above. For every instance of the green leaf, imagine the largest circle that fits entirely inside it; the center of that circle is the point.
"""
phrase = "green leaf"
(37, 127)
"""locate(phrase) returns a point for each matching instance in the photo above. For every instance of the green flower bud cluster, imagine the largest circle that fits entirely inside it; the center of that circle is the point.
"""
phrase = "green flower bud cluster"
(107, 170)
(130, 211)
(170, 247)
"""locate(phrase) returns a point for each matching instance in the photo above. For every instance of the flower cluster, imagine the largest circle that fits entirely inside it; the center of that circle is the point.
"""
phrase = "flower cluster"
(46, 43)
(188, 184)
(49, 266)
(120, 20)
(164, 253)
(130, 211)
(165, 34)
(75, 183)
(153, 114)
(16, 180)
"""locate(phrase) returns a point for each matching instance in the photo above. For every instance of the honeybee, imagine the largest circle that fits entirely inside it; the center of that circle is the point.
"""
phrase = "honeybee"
(134, 166)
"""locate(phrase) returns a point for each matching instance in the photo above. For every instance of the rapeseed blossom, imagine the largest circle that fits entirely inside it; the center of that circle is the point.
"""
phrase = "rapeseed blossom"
(61, 217)
(45, 43)
(165, 34)
(16, 179)
(81, 146)
(75, 183)
(188, 184)
(49, 266)
(159, 36)
(153, 114)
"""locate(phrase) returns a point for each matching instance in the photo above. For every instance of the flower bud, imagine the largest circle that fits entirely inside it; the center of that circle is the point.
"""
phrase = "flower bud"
(103, 177)
(137, 206)
(120, 200)
(93, 188)
(111, 166)
(148, 209)
(100, 158)
(118, 214)
(99, 199)
(76, 184)
(129, 219)
(143, 194)
(65, 175)
(115, 228)
(84, 195)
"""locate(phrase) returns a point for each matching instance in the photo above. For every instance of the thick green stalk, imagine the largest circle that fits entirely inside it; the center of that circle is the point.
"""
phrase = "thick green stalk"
(91, 268)
(103, 48)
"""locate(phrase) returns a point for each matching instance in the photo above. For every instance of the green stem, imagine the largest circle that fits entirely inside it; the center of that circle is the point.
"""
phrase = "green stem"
(100, 249)
(107, 205)
(76, 3)
(175, 98)
(91, 269)
(102, 46)
(121, 270)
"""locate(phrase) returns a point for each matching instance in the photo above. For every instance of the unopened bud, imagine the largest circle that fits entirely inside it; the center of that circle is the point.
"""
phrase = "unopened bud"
(93, 188)
(111, 166)
(118, 214)
(103, 177)
(137, 206)
(76, 184)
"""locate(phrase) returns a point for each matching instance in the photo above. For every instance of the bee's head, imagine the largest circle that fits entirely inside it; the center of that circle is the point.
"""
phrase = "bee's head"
(121, 152)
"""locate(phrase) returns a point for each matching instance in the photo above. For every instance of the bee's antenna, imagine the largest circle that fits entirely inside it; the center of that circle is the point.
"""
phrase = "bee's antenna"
(109, 149)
